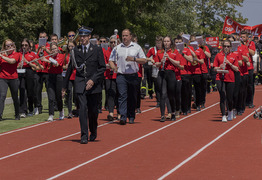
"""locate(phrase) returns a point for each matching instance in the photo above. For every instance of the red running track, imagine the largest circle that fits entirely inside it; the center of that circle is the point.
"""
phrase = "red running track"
(198, 146)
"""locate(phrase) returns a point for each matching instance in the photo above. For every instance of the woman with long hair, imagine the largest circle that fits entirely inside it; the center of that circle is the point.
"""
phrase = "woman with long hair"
(9, 60)
(26, 72)
(167, 60)
(226, 64)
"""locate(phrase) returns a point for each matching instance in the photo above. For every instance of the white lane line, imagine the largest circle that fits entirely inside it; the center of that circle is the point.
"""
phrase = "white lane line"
(49, 142)
(203, 148)
(124, 145)
(21, 129)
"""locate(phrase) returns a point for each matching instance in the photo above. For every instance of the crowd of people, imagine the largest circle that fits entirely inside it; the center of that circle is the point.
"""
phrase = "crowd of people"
(175, 70)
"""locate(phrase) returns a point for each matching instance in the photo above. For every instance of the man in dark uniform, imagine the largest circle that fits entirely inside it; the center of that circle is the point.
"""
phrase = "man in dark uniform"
(90, 66)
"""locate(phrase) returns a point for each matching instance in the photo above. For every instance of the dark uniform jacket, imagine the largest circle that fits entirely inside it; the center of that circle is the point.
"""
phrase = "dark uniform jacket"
(95, 68)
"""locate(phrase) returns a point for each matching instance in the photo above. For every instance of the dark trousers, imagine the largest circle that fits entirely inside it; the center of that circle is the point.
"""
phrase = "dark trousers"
(41, 78)
(156, 88)
(178, 94)
(13, 85)
(71, 96)
(147, 78)
(88, 112)
(26, 91)
(226, 91)
(197, 85)
(112, 94)
(55, 84)
(127, 87)
(139, 93)
(203, 89)
(241, 104)
(236, 89)
(250, 88)
(186, 93)
(167, 85)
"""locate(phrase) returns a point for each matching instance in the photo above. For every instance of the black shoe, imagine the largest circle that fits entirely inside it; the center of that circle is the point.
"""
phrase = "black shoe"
(17, 117)
(122, 122)
(239, 113)
(198, 108)
(142, 96)
(203, 106)
(173, 117)
(99, 110)
(151, 96)
(163, 119)
(92, 136)
(1, 119)
(251, 106)
(189, 111)
(138, 110)
(84, 139)
(110, 118)
(131, 121)
(70, 116)
(158, 104)
(40, 110)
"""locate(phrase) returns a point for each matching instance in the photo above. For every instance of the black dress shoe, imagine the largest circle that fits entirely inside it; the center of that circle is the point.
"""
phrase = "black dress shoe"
(185, 113)
(110, 118)
(173, 117)
(99, 110)
(84, 141)
(198, 108)
(17, 117)
(163, 119)
(189, 111)
(131, 121)
(92, 136)
(158, 104)
(251, 106)
(138, 110)
(122, 122)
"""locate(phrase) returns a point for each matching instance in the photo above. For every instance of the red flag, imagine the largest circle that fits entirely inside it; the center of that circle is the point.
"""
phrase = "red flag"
(231, 26)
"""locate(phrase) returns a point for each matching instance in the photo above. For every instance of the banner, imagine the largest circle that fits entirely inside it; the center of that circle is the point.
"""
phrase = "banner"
(213, 41)
(231, 26)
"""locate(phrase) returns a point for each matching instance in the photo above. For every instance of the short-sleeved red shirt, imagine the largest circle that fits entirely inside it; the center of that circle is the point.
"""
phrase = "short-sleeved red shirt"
(53, 69)
(219, 59)
(172, 54)
(29, 56)
(109, 74)
(204, 67)
(251, 45)
(196, 69)
(9, 71)
(187, 52)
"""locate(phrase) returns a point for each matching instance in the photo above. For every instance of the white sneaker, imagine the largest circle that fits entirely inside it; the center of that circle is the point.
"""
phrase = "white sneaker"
(224, 118)
(36, 112)
(51, 118)
(23, 115)
(230, 115)
(61, 115)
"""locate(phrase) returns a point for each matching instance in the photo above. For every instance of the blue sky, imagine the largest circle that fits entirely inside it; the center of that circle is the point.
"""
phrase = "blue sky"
(252, 9)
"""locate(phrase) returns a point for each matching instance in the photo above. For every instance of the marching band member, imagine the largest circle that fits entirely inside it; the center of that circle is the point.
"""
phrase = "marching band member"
(9, 60)
(225, 60)
(54, 63)
(70, 91)
(27, 79)
(251, 87)
(195, 70)
(167, 60)
(110, 81)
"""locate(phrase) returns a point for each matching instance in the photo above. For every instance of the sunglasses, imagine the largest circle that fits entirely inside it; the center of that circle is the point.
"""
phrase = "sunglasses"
(227, 46)
(25, 45)
(8, 45)
(71, 35)
(111, 42)
(103, 41)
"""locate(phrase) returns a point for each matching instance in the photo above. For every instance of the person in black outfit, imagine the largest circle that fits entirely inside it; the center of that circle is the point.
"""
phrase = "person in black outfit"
(90, 66)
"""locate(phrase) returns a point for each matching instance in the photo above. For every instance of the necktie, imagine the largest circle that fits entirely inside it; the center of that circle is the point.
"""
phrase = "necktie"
(85, 51)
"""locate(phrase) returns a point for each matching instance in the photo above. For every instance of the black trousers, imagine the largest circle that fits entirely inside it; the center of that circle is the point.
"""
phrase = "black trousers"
(26, 91)
(197, 85)
(88, 112)
(147, 78)
(55, 84)
(13, 85)
(112, 94)
(241, 104)
(139, 93)
(167, 85)
(40, 78)
(178, 94)
(236, 89)
(156, 88)
(186, 92)
(203, 88)
(226, 91)
(71, 96)
(250, 88)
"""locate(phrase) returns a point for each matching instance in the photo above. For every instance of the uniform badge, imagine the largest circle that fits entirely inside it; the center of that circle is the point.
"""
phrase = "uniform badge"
(91, 49)
(79, 49)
